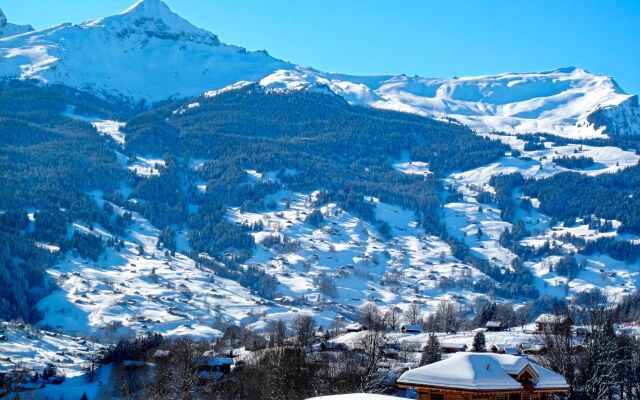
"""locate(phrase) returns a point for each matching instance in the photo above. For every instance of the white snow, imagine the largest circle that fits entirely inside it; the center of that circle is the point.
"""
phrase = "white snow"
(352, 254)
(124, 292)
(146, 166)
(33, 348)
(103, 126)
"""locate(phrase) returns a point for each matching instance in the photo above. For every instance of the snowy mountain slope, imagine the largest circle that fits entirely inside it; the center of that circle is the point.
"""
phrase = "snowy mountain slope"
(29, 347)
(148, 52)
(352, 255)
(566, 102)
(9, 29)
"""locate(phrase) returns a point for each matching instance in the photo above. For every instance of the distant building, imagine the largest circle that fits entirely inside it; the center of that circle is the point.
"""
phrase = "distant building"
(357, 327)
(212, 367)
(467, 376)
(452, 347)
(414, 329)
(495, 326)
(505, 349)
(553, 323)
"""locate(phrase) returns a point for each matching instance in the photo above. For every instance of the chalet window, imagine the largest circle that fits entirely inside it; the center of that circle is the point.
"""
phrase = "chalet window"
(514, 396)
(437, 396)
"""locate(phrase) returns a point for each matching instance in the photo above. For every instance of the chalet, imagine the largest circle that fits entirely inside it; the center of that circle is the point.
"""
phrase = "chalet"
(553, 323)
(212, 367)
(357, 327)
(487, 376)
(505, 349)
(413, 329)
(452, 347)
(329, 346)
(495, 326)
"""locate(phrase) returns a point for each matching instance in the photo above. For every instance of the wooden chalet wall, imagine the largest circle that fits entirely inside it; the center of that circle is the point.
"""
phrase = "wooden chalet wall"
(425, 393)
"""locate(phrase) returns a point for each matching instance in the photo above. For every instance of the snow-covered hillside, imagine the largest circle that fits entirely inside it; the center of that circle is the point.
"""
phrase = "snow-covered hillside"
(148, 52)
(561, 101)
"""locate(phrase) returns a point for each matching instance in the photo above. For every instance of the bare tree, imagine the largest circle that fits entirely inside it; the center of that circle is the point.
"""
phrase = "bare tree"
(590, 366)
(371, 343)
(372, 317)
(413, 314)
(304, 328)
(447, 316)
(277, 332)
(392, 317)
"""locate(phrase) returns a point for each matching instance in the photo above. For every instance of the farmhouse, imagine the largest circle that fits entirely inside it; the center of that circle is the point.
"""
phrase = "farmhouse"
(414, 329)
(452, 347)
(357, 327)
(553, 323)
(212, 367)
(505, 349)
(495, 326)
(487, 376)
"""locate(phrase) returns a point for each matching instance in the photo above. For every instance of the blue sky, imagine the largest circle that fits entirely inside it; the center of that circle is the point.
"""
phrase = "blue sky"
(428, 38)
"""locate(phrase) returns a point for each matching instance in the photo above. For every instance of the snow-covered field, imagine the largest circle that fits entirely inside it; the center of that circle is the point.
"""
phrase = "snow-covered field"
(28, 347)
(128, 291)
(465, 217)
(354, 256)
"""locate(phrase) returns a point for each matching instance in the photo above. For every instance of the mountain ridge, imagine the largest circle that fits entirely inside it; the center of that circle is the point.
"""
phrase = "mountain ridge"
(149, 53)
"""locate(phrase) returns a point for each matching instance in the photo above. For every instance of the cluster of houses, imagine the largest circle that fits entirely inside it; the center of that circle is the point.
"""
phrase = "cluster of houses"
(210, 365)
(499, 374)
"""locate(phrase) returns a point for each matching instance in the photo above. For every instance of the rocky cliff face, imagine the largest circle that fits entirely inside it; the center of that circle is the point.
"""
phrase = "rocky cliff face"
(8, 29)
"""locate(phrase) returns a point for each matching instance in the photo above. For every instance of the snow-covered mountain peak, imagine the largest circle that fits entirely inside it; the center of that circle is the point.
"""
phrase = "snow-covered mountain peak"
(145, 53)
(148, 8)
(154, 18)
(8, 29)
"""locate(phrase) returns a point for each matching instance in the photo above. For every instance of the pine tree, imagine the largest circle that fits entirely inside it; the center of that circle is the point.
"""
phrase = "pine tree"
(84, 397)
(479, 343)
(431, 352)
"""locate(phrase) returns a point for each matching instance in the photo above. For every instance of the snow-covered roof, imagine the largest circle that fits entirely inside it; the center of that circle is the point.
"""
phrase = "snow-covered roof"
(413, 328)
(481, 371)
(355, 327)
(551, 319)
(506, 348)
(494, 324)
(453, 345)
